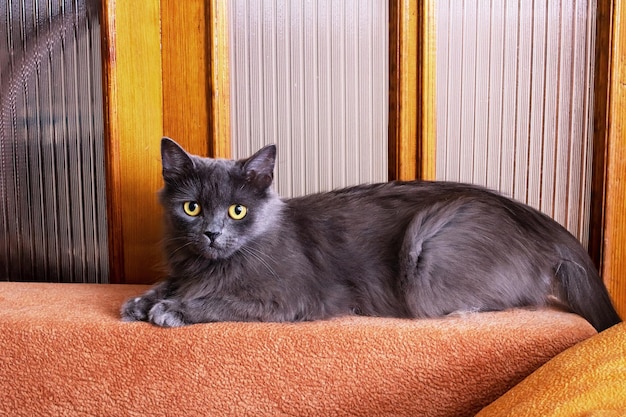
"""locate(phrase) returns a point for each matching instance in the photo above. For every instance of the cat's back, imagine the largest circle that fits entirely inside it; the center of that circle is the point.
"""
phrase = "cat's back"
(394, 195)
(388, 208)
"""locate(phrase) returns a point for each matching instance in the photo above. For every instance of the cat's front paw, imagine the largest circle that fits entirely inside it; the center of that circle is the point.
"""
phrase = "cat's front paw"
(167, 313)
(136, 309)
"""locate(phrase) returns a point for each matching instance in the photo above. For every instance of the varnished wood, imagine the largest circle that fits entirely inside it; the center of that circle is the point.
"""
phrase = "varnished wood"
(186, 86)
(134, 125)
(412, 90)
(166, 73)
(403, 89)
(613, 265)
(600, 128)
(220, 78)
(112, 146)
(427, 90)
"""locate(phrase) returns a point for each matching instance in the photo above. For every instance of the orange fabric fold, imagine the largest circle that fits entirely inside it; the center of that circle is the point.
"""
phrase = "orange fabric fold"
(587, 380)
(64, 351)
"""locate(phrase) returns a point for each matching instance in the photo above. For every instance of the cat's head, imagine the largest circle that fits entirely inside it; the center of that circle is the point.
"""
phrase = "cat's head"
(214, 207)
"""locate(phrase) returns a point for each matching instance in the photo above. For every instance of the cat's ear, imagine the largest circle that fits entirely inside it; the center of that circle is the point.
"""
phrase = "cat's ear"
(259, 168)
(174, 159)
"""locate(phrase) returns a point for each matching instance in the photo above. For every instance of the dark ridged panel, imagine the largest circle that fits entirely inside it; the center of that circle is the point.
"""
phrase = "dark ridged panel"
(52, 182)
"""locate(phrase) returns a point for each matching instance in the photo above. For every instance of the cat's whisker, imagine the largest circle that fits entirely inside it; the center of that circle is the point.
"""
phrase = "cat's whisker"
(181, 247)
(173, 240)
(259, 257)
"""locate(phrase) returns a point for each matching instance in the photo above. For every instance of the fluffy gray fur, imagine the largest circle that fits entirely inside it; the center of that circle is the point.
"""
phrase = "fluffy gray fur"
(398, 249)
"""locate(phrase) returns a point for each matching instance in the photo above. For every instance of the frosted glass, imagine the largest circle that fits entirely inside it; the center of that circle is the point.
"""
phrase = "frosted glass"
(311, 77)
(515, 101)
(52, 181)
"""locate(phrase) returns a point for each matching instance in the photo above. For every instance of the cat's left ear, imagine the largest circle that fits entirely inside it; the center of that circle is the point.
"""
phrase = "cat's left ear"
(259, 168)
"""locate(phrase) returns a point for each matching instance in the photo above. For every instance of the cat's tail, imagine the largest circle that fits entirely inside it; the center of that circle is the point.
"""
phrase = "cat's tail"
(583, 290)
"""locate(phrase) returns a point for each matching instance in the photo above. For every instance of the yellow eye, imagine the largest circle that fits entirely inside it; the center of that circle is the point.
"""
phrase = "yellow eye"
(237, 211)
(191, 208)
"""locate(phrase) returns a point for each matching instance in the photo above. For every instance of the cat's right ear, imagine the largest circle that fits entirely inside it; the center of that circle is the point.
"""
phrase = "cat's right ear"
(259, 168)
(176, 162)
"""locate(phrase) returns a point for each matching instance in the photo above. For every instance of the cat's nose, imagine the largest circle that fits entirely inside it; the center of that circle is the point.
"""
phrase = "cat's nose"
(212, 235)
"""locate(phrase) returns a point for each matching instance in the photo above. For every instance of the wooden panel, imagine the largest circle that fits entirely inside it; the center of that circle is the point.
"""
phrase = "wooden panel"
(134, 125)
(159, 81)
(185, 81)
(614, 251)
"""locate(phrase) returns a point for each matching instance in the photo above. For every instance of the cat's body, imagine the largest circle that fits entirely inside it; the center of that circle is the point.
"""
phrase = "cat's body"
(400, 249)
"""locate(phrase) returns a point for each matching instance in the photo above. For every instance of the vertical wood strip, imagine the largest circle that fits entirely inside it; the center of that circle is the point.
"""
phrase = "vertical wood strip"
(614, 259)
(403, 89)
(219, 105)
(112, 147)
(600, 128)
(134, 124)
(185, 81)
(427, 85)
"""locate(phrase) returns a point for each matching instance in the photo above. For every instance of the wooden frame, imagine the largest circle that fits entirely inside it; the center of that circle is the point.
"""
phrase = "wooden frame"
(412, 122)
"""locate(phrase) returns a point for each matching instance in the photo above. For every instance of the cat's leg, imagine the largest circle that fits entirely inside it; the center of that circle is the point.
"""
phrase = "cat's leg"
(176, 313)
(137, 309)
(434, 265)
(168, 313)
(415, 266)
(468, 256)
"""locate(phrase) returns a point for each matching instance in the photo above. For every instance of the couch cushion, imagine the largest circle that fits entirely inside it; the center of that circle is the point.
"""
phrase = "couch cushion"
(588, 379)
(64, 351)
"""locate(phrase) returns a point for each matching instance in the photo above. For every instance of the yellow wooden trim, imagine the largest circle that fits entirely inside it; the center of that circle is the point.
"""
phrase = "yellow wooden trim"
(407, 146)
(220, 79)
(134, 125)
(403, 90)
(412, 95)
(614, 250)
(427, 138)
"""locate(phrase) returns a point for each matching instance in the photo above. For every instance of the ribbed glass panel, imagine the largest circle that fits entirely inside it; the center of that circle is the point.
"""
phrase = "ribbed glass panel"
(514, 101)
(52, 182)
(311, 77)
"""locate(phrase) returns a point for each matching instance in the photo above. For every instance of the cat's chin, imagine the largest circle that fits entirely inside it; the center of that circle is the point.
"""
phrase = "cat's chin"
(215, 253)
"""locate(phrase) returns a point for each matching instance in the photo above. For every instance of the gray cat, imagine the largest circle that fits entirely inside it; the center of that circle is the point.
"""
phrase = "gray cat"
(238, 252)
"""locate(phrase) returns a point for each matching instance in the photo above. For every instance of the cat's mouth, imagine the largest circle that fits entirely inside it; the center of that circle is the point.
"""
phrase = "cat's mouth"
(212, 247)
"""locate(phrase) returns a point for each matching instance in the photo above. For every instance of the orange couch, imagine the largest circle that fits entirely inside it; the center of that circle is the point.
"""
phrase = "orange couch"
(64, 351)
